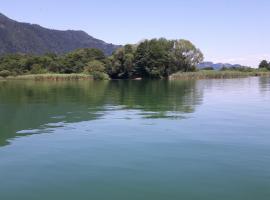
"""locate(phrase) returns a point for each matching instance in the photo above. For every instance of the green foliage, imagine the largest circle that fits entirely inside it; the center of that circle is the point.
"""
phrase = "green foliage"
(96, 69)
(156, 58)
(186, 56)
(94, 66)
(37, 69)
(214, 74)
(121, 64)
(75, 61)
(100, 76)
(159, 58)
(153, 58)
(264, 65)
(5, 73)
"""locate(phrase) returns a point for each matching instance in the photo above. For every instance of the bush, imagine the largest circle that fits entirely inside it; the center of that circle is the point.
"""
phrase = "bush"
(97, 70)
(37, 69)
(264, 65)
(100, 76)
(94, 66)
(5, 73)
(263, 70)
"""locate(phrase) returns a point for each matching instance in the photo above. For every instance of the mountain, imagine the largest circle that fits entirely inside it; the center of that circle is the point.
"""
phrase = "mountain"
(17, 37)
(217, 66)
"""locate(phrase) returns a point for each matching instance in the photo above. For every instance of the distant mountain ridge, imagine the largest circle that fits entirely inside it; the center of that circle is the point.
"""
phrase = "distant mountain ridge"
(18, 37)
(217, 66)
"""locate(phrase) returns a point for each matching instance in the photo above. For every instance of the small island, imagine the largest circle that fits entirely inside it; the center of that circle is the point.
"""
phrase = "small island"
(149, 59)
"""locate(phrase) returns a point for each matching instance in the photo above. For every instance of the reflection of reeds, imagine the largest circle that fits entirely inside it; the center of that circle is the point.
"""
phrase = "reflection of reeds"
(216, 75)
(52, 77)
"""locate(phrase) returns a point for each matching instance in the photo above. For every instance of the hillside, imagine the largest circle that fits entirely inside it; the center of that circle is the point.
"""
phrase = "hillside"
(217, 66)
(17, 37)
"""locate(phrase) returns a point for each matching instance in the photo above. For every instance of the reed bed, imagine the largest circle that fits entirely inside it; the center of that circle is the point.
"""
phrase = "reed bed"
(52, 77)
(216, 75)
(203, 74)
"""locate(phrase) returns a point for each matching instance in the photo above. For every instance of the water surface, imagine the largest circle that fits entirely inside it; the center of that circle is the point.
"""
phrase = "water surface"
(206, 140)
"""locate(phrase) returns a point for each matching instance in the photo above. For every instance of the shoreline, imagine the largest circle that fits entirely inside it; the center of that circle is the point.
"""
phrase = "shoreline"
(217, 75)
(177, 76)
(50, 77)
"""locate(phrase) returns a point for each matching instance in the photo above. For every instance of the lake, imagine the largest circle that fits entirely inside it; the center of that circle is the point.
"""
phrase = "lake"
(118, 140)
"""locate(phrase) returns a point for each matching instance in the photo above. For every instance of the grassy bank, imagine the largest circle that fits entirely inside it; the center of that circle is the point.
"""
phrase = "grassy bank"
(51, 77)
(207, 74)
(203, 74)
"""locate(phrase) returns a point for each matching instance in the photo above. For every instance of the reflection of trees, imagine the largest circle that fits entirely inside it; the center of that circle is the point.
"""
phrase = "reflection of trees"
(156, 96)
(264, 84)
(29, 105)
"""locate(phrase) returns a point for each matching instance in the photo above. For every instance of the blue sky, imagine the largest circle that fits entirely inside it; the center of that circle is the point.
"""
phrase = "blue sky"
(234, 31)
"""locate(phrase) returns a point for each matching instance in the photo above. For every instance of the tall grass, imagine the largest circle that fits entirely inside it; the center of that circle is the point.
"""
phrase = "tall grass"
(203, 74)
(52, 77)
(206, 74)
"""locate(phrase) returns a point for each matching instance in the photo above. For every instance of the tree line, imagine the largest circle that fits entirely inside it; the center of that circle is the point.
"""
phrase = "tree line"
(264, 65)
(155, 58)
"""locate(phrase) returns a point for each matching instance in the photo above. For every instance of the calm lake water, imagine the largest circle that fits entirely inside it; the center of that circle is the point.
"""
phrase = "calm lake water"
(135, 140)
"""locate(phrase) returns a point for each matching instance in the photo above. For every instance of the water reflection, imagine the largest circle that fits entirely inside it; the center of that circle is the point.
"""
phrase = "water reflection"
(40, 106)
(264, 84)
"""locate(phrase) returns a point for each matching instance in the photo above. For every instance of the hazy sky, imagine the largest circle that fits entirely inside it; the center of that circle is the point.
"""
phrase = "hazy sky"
(234, 31)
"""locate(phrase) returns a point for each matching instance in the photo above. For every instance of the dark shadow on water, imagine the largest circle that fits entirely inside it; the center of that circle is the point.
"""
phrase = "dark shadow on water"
(28, 107)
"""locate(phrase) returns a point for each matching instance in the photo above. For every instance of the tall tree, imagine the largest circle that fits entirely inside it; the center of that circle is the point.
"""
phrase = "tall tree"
(264, 65)
(121, 63)
(186, 55)
(159, 58)
(152, 59)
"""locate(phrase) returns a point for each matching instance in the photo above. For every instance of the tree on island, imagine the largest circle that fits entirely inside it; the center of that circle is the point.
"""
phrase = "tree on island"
(264, 65)
(159, 58)
(96, 69)
(155, 58)
(186, 55)
(121, 64)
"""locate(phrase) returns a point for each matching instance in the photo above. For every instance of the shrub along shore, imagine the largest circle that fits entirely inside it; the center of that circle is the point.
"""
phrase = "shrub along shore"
(149, 59)
(152, 59)
(201, 74)
(206, 74)
(51, 77)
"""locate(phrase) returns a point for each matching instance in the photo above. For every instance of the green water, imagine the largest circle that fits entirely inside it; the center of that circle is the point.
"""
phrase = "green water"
(135, 140)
